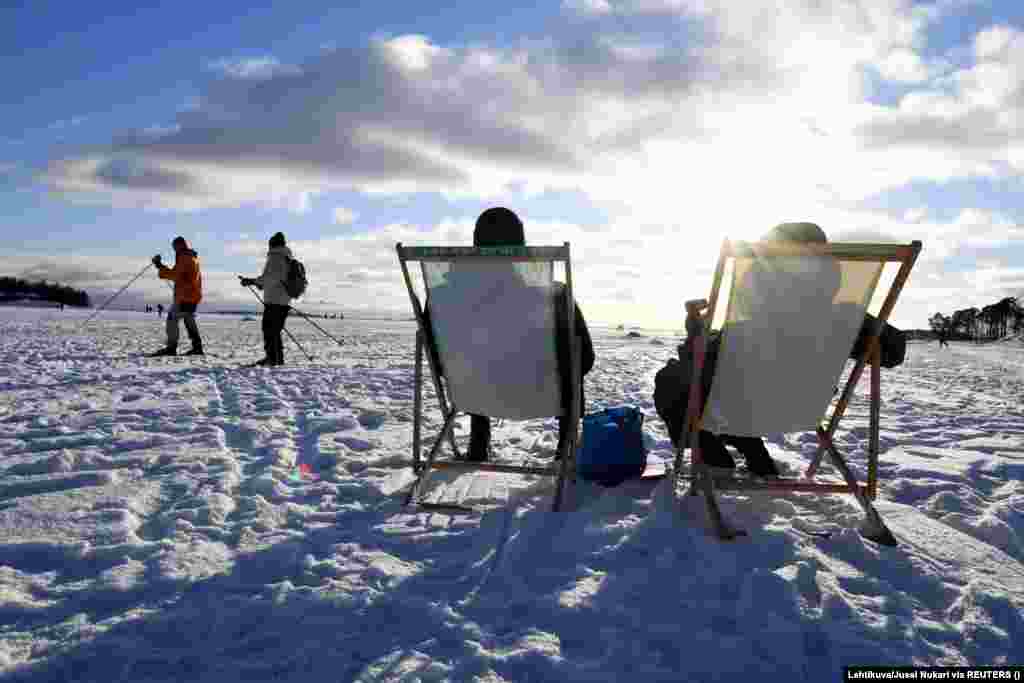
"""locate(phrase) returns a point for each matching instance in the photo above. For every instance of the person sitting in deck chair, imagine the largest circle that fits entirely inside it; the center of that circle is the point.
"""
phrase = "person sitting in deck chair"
(499, 226)
(774, 285)
(673, 382)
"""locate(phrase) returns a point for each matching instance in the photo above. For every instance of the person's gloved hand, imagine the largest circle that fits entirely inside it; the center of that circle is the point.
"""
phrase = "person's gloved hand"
(246, 281)
(157, 261)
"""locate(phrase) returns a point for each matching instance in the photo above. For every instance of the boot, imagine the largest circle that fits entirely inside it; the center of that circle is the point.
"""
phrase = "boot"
(166, 351)
(759, 461)
(713, 452)
(761, 464)
(479, 438)
(197, 344)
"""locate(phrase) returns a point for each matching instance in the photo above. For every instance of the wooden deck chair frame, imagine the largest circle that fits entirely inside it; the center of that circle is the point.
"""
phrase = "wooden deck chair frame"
(705, 479)
(424, 466)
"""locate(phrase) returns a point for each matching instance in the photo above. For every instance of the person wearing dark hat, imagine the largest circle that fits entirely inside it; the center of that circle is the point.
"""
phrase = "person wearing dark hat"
(497, 227)
(671, 397)
(188, 292)
(276, 301)
(829, 277)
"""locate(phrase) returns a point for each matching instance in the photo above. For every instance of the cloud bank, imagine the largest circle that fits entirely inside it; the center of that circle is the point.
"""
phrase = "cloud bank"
(694, 118)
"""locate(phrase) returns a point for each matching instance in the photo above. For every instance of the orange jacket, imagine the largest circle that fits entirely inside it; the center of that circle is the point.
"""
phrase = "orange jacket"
(188, 281)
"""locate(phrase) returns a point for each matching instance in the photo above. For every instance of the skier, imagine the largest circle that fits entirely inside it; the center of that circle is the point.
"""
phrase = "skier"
(276, 301)
(188, 292)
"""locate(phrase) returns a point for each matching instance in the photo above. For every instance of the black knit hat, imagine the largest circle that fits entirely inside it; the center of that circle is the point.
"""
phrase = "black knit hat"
(277, 239)
(498, 227)
(179, 240)
(796, 232)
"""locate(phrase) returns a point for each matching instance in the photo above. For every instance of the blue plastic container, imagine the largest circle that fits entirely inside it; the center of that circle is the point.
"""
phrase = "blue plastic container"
(613, 446)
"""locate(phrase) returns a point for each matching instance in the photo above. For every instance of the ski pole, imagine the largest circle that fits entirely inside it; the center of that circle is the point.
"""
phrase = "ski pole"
(310, 321)
(117, 294)
(258, 297)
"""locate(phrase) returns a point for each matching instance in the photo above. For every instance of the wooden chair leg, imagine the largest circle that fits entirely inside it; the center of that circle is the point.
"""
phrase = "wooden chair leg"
(874, 528)
(428, 467)
(723, 529)
(564, 467)
(417, 404)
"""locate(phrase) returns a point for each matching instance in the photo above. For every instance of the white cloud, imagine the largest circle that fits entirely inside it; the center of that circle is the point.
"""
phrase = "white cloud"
(413, 53)
(253, 68)
(969, 122)
(903, 65)
(983, 229)
(765, 89)
(723, 119)
(915, 215)
(634, 272)
(343, 216)
(588, 6)
(406, 114)
(994, 41)
(638, 270)
(135, 180)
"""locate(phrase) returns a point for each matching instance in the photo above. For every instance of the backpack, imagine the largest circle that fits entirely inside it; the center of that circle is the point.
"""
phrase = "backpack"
(672, 384)
(613, 446)
(891, 340)
(295, 282)
(671, 395)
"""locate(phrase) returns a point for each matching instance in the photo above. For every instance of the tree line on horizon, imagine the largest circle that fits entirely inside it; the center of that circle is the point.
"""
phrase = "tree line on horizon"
(991, 322)
(15, 288)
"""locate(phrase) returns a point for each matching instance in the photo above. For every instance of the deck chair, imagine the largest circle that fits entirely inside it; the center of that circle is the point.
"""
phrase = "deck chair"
(492, 325)
(787, 324)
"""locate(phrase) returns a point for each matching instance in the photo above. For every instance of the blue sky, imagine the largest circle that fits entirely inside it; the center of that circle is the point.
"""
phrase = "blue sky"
(643, 131)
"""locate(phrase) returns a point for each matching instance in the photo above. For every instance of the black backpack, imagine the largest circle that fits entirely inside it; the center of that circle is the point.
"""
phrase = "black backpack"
(891, 340)
(672, 384)
(295, 283)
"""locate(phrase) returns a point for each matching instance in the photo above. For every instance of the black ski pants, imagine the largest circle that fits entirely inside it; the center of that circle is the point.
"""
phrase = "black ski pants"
(185, 313)
(480, 434)
(274, 316)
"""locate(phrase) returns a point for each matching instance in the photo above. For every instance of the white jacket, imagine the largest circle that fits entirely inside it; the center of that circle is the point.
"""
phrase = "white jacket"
(275, 272)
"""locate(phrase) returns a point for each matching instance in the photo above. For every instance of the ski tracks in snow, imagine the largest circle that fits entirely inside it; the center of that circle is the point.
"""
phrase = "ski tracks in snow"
(215, 520)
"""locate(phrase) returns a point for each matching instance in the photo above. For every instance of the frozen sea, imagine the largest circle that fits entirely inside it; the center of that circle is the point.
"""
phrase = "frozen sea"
(191, 520)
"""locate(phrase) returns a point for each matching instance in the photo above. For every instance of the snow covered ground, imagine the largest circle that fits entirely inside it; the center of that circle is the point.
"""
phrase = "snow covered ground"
(172, 519)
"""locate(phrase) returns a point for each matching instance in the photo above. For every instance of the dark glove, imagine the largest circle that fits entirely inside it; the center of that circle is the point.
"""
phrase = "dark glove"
(245, 281)
(157, 261)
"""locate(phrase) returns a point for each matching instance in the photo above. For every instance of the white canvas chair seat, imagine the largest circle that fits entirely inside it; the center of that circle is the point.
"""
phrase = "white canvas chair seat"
(491, 315)
(788, 322)
(494, 327)
(786, 338)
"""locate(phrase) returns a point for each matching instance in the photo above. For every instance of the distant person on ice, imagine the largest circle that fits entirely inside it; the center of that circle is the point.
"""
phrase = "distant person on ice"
(188, 292)
(276, 302)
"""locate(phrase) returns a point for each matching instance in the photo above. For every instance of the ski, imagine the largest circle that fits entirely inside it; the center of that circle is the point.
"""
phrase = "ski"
(181, 356)
(257, 364)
